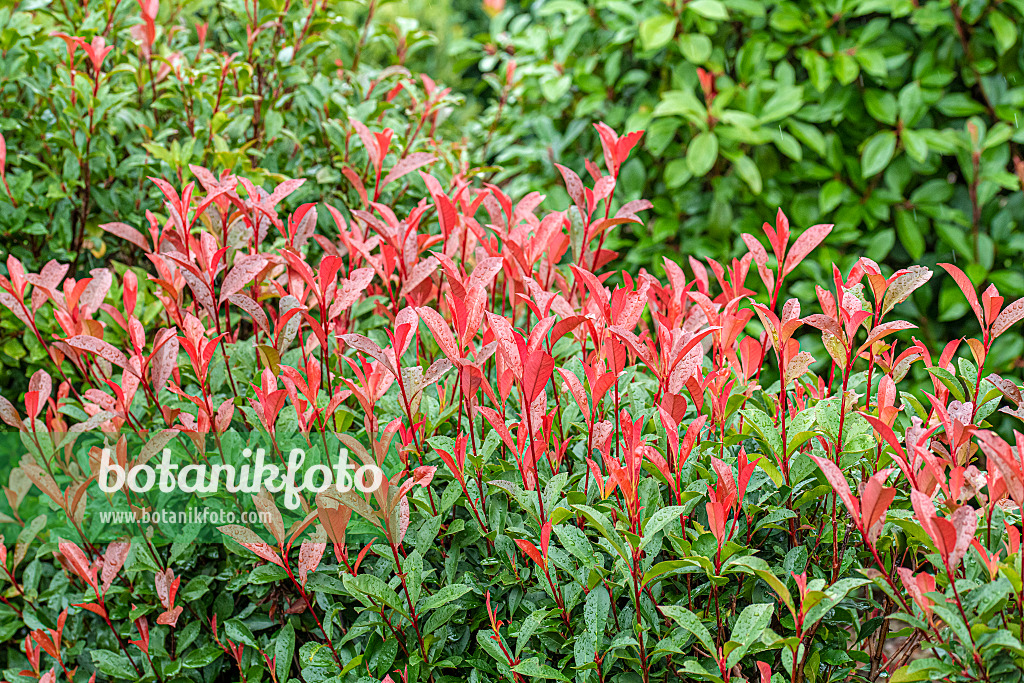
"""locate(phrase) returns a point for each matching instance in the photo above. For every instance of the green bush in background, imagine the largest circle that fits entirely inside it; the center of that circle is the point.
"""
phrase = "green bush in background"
(896, 120)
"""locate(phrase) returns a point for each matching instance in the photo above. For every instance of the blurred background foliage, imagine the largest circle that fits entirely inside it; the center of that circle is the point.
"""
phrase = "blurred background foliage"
(897, 120)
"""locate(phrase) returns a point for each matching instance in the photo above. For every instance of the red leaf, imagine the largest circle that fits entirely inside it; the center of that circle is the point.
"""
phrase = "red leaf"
(804, 245)
(246, 268)
(875, 501)
(94, 608)
(1010, 315)
(407, 165)
(442, 333)
(127, 232)
(78, 562)
(530, 550)
(967, 287)
(536, 374)
(835, 477)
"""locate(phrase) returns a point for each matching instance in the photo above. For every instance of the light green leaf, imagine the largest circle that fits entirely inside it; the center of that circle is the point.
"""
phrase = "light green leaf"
(709, 9)
(877, 153)
(747, 169)
(533, 668)
(702, 153)
(656, 32)
(1004, 30)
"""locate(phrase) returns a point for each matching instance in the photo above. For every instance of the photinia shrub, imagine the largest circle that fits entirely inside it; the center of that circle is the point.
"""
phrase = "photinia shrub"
(588, 475)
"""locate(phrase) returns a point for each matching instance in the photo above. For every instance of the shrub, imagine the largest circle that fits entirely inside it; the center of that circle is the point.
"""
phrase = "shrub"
(96, 96)
(592, 476)
(897, 121)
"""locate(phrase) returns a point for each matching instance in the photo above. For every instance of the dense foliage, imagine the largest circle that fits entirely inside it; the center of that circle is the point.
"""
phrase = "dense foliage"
(593, 476)
(95, 97)
(897, 120)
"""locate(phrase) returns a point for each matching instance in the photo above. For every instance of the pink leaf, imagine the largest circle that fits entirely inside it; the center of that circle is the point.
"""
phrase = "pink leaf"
(573, 185)
(408, 165)
(804, 245)
(253, 309)
(105, 350)
(113, 560)
(310, 554)
(442, 333)
(249, 539)
(246, 268)
(1009, 316)
(127, 232)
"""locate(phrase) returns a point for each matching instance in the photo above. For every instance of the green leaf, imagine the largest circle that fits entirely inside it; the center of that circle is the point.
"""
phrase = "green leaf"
(702, 153)
(443, 596)
(1004, 30)
(831, 196)
(747, 169)
(663, 568)
(659, 520)
(872, 61)
(881, 105)
(240, 633)
(267, 573)
(709, 9)
(656, 32)
(692, 623)
(753, 620)
(696, 47)
(915, 144)
(112, 665)
(845, 68)
(284, 649)
(533, 668)
(197, 659)
(374, 587)
(834, 594)
(760, 568)
(529, 625)
(576, 542)
(877, 154)
(765, 428)
(909, 232)
(786, 101)
(605, 528)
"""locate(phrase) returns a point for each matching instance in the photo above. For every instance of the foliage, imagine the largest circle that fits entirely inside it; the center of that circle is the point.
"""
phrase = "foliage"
(898, 121)
(95, 97)
(592, 476)
(98, 97)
